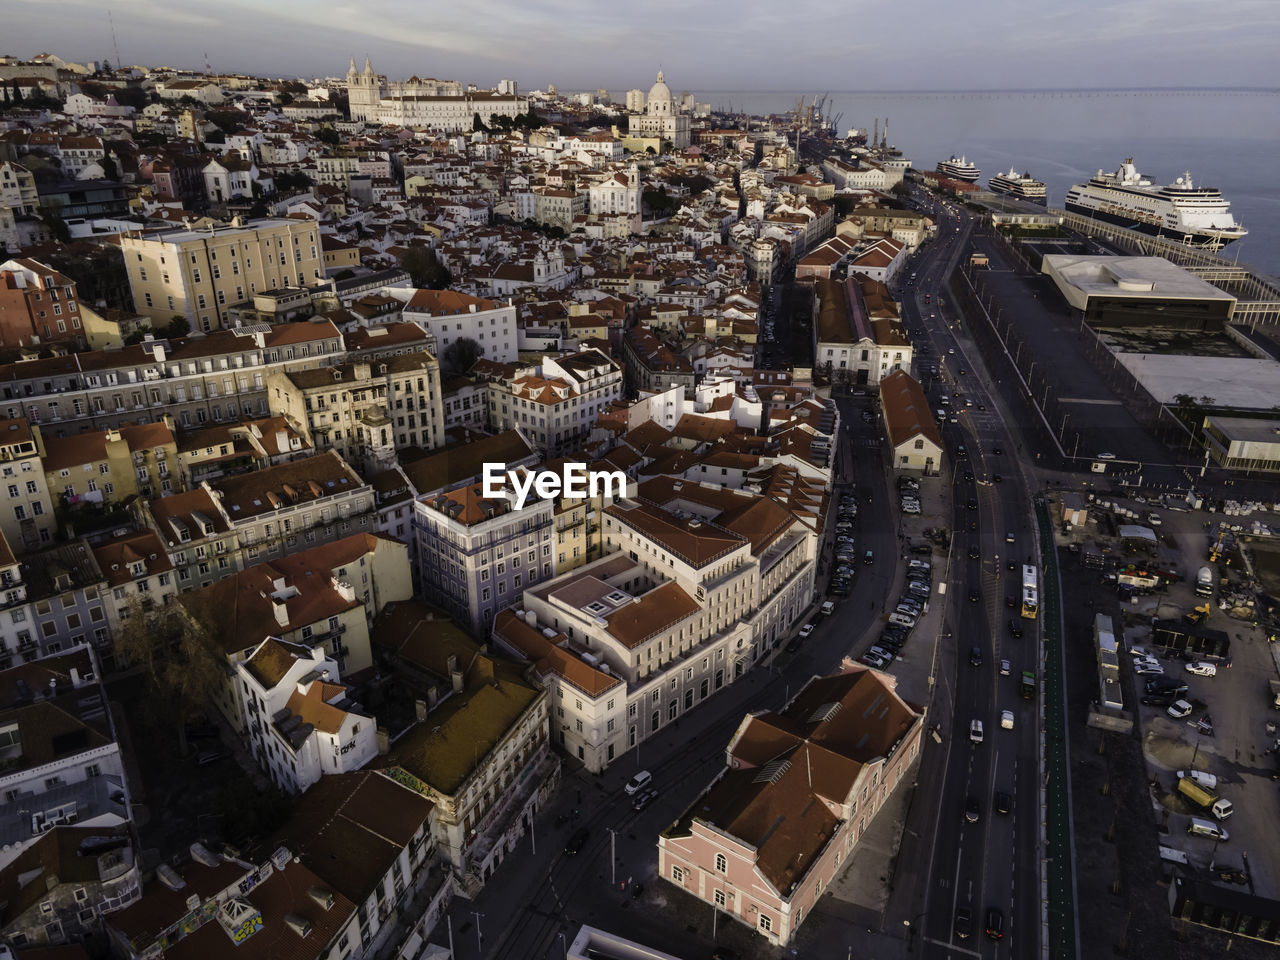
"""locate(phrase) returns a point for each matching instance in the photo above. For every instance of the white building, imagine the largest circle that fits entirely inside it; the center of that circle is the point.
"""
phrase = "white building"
(661, 118)
(302, 723)
(617, 193)
(450, 316)
(555, 403)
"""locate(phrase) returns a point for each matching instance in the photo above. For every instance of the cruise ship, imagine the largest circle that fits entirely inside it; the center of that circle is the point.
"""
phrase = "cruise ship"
(1181, 211)
(958, 168)
(1020, 185)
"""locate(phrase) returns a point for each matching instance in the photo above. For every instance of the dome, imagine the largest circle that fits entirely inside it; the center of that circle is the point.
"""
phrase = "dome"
(659, 91)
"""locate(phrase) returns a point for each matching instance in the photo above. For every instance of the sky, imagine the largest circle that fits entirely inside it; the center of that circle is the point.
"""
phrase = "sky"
(750, 45)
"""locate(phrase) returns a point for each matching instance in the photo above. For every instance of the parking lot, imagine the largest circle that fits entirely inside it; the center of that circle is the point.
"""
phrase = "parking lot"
(1234, 703)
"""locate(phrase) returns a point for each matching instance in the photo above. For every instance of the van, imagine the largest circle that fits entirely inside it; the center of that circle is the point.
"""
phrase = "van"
(638, 782)
(1206, 828)
(828, 608)
(1203, 668)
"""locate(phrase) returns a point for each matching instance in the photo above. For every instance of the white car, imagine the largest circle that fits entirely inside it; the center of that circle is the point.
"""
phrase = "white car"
(1153, 519)
(806, 630)
(882, 653)
(1140, 652)
(871, 660)
(1148, 669)
(1179, 709)
(1203, 668)
(975, 731)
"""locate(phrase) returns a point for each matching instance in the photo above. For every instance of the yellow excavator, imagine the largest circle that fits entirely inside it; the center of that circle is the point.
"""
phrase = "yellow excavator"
(1197, 615)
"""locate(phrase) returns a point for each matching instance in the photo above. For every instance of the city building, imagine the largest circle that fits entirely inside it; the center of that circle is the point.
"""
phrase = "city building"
(323, 597)
(201, 544)
(138, 574)
(440, 105)
(858, 337)
(38, 305)
(109, 466)
(365, 410)
(66, 603)
(480, 749)
(449, 316)
(799, 790)
(555, 402)
(27, 518)
(662, 118)
(909, 422)
(302, 721)
(199, 272)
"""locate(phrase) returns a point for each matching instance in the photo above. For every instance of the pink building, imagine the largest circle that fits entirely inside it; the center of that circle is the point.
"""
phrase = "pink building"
(800, 789)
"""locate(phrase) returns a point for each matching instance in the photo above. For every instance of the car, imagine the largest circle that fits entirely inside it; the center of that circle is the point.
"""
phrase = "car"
(974, 597)
(1149, 660)
(1015, 628)
(1179, 709)
(1010, 602)
(638, 783)
(806, 630)
(972, 810)
(1105, 456)
(975, 731)
(871, 660)
(975, 656)
(1012, 564)
(1005, 668)
(827, 609)
(642, 800)
(1136, 651)
(951, 350)
(882, 653)
(995, 924)
(1004, 803)
(1006, 719)
(968, 475)
(1147, 669)
(972, 504)
(869, 558)
(1167, 685)
(573, 846)
(1158, 699)
(997, 451)
(974, 552)
(1203, 668)
(1010, 538)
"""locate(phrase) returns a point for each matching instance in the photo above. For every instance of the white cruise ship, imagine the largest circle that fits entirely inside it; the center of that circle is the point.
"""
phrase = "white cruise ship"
(1181, 211)
(958, 168)
(1020, 185)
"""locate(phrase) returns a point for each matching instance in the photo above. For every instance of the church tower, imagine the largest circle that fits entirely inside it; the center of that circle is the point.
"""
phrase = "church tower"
(364, 90)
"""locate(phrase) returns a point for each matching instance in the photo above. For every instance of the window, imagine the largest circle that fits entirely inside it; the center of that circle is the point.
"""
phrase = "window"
(722, 863)
(677, 873)
(766, 925)
(720, 899)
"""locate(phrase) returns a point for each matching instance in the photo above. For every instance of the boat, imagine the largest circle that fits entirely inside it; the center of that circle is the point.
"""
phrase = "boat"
(1020, 185)
(1181, 211)
(958, 168)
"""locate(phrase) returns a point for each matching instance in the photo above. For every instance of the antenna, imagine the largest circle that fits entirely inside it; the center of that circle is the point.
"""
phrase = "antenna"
(114, 46)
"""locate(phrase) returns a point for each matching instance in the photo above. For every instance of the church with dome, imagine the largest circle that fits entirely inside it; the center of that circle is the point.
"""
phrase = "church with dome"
(661, 118)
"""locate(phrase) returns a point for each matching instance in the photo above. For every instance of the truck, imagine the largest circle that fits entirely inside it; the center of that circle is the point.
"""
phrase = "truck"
(1028, 685)
(1202, 797)
(1205, 580)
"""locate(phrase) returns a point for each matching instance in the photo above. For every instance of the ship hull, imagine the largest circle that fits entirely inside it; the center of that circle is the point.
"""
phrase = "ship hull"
(1193, 238)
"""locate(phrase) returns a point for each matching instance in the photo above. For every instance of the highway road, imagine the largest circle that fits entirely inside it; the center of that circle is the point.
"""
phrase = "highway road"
(993, 863)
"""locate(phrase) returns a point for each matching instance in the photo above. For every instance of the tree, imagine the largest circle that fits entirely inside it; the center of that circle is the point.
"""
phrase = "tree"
(57, 226)
(176, 647)
(179, 326)
(424, 268)
(215, 136)
(17, 93)
(328, 135)
(461, 355)
(477, 125)
(109, 169)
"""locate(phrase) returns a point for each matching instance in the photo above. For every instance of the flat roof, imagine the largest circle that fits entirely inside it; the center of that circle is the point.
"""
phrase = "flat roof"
(1247, 383)
(1247, 429)
(1142, 278)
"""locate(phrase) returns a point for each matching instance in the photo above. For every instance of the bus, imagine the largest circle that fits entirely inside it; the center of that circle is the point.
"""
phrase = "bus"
(1030, 592)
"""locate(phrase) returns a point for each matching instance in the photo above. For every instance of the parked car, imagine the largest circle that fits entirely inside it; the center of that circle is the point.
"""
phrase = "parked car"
(806, 630)
(871, 660)
(1203, 668)
(638, 783)
(1179, 709)
(1147, 669)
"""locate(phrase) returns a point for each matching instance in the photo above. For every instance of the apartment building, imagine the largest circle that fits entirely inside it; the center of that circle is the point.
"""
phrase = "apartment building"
(295, 505)
(66, 603)
(685, 600)
(19, 201)
(137, 572)
(324, 597)
(27, 518)
(449, 316)
(37, 305)
(215, 450)
(197, 380)
(197, 273)
(216, 906)
(109, 466)
(302, 722)
(480, 749)
(799, 790)
(201, 544)
(555, 403)
(365, 410)
(653, 366)
(369, 840)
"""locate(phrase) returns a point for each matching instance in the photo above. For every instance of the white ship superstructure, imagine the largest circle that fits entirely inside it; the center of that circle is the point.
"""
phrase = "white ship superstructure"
(1020, 185)
(958, 168)
(1181, 211)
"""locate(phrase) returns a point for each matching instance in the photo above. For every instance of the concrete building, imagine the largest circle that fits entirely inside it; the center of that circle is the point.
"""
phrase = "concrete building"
(38, 305)
(197, 273)
(851, 344)
(138, 573)
(303, 723)
(909, 423)
(1247, 444)
(325, 597)
(449, 316)
(27, 518)
(201, 544)
(555, 403)
(110, 466)
(65, 603)
(1138, 291)
(798, 792)
(480, 749)
(365, 410)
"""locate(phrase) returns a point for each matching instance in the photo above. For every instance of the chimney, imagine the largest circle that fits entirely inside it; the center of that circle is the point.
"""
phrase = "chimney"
(530, 618)
(456, 677)
(281, 610)
(420, 708)
(384, 742)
